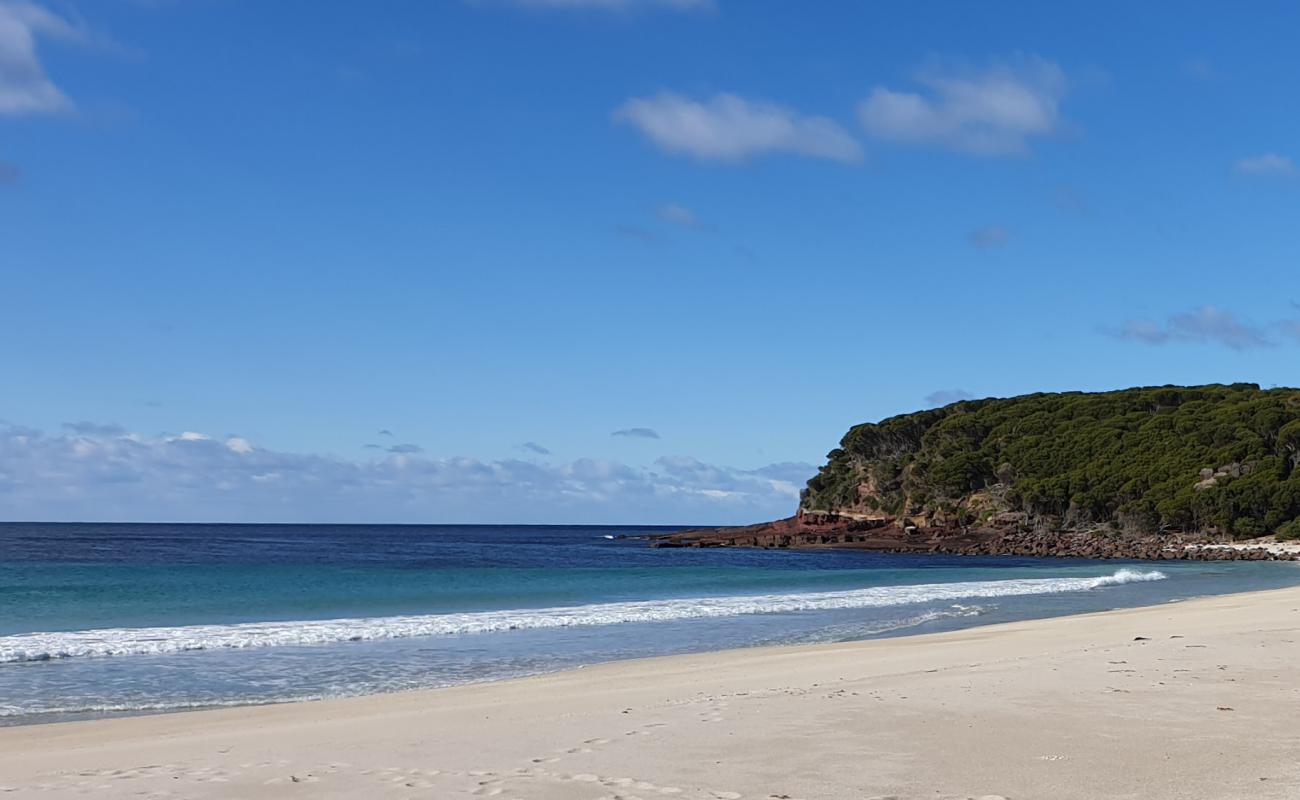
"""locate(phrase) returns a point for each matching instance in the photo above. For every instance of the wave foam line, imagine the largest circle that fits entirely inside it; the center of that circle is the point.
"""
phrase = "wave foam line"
(154, 641)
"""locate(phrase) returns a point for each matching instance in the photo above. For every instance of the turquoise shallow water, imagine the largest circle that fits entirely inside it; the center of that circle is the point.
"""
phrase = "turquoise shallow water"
(115, 619)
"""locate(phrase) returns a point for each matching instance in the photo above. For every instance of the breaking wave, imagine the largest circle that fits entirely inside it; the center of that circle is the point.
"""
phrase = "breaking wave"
(29, 647)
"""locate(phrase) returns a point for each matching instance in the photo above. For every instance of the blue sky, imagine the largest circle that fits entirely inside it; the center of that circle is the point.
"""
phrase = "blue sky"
(505, 230)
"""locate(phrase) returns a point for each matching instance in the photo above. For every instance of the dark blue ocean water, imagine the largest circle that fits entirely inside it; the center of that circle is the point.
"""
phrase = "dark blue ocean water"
(102, 619)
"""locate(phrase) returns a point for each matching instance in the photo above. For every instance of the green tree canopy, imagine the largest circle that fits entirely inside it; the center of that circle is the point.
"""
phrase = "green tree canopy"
(1198, 458)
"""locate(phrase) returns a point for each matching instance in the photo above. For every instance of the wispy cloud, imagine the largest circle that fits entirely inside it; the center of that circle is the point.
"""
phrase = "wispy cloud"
(988, 237)
(398, 449)
(25, 87)
(385, 432)
(945, 397)
(1070, 201)
(637, 233)
(534, 447)
(1268, 165)
(728, 128)
(992, 112)
(671, 214)
(721, 483)
(94, 429)
(1198, 68)
(678, 215)
(1206, 324)
(637, 433)
(112, 476)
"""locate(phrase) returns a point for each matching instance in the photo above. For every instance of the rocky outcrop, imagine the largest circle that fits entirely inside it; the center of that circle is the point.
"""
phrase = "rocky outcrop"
(819, 530)
(1213, 461)
(1166, 472)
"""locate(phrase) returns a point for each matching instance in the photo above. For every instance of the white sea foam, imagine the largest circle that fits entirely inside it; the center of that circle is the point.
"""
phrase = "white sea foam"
(147, 641)
(850, 632)
(55, 710)
(10, 711)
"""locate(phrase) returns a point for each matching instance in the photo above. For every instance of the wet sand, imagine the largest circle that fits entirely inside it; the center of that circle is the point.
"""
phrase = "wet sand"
(1198, 699)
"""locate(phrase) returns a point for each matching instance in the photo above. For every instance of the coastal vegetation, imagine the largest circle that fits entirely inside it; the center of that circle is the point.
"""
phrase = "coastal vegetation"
(1206, 459)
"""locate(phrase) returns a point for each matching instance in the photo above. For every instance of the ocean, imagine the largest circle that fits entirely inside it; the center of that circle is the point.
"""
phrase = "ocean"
(112, 619)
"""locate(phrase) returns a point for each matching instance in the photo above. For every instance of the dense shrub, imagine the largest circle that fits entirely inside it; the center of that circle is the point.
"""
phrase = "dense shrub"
(1192, 458)
(1289, 531)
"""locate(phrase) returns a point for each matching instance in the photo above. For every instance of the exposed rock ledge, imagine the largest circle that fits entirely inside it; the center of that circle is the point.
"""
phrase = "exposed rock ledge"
(813, 530)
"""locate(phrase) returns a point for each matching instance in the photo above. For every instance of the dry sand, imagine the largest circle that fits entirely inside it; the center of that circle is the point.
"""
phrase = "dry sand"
(1206, 705)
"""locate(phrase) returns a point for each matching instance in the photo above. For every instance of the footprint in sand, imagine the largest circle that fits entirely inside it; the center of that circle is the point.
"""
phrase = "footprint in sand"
(587, 747)
(967, 797)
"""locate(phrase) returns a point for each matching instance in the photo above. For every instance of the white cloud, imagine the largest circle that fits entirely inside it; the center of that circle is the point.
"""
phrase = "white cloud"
(716, 494)
(236, 444)
(994, 112)
(94, 472)
(786, 488)
(732, 129)
(1266, 165)
(25, 88)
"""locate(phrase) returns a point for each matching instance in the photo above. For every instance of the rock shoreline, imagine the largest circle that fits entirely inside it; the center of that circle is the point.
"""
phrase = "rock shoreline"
(807, 531)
